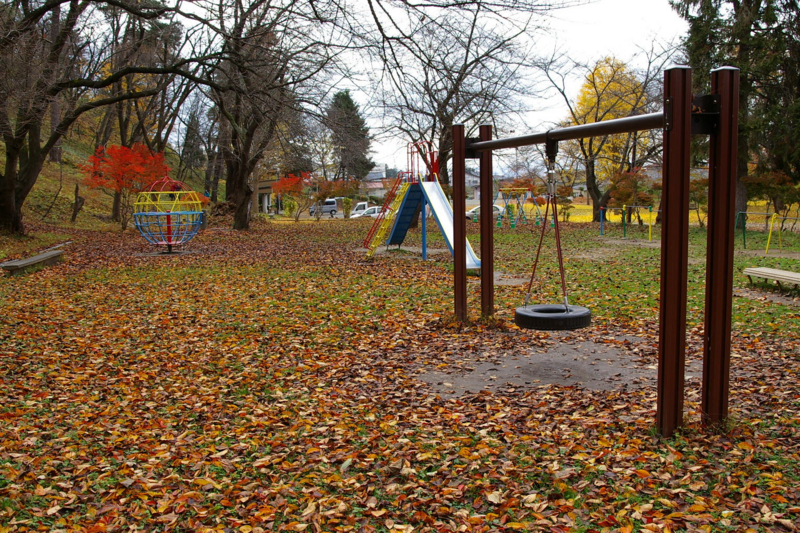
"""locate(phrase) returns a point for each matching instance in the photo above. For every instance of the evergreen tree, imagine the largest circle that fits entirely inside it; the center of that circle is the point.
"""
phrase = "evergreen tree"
(193, 154)
(760, 37)
(350, 137)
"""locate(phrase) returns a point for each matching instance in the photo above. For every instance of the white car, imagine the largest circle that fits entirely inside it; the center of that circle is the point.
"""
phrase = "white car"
(359, 209)
(496, 210)
(373, 212)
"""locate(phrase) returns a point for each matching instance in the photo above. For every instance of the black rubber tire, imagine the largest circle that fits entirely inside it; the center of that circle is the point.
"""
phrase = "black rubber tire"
(333, 213)
(552, 317)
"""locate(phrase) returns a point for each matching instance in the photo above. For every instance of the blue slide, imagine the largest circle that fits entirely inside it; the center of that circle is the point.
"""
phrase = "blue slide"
(442, 212)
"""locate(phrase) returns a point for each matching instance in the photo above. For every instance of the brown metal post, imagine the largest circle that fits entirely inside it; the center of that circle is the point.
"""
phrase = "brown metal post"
(719, 263)
(459, 223)
(674, 248)
(487, 227)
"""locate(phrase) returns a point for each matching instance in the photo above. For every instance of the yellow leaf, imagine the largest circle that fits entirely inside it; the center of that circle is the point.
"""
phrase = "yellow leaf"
(310, 509)
(204, 481)
(495, 497)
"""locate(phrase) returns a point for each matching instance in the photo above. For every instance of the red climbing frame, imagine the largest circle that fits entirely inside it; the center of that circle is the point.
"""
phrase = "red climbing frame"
(423, 152)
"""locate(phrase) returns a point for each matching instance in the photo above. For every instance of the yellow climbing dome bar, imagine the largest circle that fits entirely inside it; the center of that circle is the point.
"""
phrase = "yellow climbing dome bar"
(167, 201)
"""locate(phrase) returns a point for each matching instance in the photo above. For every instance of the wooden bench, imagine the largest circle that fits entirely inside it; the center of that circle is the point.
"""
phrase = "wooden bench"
(20, 265)
(780, 276)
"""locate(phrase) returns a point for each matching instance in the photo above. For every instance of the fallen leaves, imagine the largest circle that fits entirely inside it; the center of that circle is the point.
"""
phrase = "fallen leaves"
(269, 383)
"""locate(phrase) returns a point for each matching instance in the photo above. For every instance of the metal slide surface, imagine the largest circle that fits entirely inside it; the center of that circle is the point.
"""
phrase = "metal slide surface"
(444, 217)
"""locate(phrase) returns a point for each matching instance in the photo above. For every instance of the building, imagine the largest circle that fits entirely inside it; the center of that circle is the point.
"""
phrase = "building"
(375, 184)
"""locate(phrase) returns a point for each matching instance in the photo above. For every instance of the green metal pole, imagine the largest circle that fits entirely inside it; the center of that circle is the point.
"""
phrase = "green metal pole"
(624, 225)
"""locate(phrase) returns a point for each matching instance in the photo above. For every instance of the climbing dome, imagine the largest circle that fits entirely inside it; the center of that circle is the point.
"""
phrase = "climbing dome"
(168, 213)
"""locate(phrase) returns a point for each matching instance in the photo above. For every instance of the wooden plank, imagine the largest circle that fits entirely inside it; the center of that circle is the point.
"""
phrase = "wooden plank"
(779, 276)
(20, 265)
(773, 273)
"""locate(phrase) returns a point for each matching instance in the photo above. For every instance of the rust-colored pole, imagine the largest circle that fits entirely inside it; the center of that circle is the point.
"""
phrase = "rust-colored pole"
(722, 164)
(459, 223)
(487, 227)
(674, 248)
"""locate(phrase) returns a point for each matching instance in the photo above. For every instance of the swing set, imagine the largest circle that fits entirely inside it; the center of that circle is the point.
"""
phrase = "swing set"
(683, 115)
(513, 205)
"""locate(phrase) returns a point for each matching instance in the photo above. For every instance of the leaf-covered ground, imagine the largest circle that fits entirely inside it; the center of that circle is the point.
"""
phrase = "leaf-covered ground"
(269, 381)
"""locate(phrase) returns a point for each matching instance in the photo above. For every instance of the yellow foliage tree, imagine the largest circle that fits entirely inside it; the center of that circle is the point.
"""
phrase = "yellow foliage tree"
(610, 90)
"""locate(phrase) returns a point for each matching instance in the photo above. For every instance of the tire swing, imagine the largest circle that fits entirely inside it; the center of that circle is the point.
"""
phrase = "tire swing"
(551, 317)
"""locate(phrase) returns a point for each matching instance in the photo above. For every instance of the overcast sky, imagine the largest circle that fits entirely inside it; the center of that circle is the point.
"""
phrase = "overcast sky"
(586, 33)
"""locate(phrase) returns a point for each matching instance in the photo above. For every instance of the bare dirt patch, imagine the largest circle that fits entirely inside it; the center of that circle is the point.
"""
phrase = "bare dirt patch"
(763, 295)
(772, 253)
(595, 254)
(636, 242)
(573, 360)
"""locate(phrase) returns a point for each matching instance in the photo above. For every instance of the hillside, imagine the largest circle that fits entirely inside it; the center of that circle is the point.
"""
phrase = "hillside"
(52, 197)
(48, 208)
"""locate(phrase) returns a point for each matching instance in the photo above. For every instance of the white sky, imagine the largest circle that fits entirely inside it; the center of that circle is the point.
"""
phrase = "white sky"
(586, 33)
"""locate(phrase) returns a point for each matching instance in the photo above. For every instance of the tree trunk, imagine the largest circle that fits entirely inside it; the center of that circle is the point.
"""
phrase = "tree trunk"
(78, 205)
(16, 183)
(10, 216)
(239, 192)
(658, 215)
(242, 200)
(55, 109)
(744, 14)
(116, 207)
(742, 162)
(445, 153)
(215, 182)
(592, 189)
(208, 178)
(55, 118)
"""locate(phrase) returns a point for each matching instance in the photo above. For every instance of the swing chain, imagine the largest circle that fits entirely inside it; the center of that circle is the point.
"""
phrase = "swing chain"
(552, 199)
(551, 179)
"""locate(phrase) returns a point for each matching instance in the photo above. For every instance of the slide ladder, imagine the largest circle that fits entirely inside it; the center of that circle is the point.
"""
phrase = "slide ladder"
(386, 204)
(380, 235)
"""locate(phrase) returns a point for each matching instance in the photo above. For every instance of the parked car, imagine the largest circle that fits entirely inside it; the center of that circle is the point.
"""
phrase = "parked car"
(496, 210)
(359, 209)
(329, 206)
(373, 212)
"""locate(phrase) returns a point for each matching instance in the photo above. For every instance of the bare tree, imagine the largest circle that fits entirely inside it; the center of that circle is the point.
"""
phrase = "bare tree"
(148, 120)
(459, 67)
(274, 56)
(73, 66)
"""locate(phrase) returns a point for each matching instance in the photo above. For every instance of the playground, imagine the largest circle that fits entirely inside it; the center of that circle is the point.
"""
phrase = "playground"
(274, 380)
(291, 378)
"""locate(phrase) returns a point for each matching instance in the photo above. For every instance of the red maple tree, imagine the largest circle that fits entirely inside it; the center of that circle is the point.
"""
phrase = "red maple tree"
(301, 190)
(124, 172)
